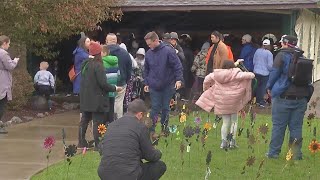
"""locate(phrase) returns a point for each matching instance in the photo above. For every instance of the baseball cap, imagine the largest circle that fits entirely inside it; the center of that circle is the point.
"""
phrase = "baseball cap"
(291, 40)
(166, 36)
(266, 42)
(174, 35)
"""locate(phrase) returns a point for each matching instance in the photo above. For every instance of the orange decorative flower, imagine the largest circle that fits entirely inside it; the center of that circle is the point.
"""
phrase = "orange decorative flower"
(102, 129)
(207, 126)
(314, 146)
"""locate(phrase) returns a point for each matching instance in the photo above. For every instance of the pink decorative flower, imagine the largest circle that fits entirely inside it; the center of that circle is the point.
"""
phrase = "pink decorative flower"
(49, 142)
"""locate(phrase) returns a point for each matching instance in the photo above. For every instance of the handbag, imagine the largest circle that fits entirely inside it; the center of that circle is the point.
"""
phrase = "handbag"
(72, 74)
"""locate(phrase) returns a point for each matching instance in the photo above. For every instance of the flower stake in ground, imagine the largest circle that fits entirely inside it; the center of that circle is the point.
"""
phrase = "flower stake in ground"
(70, 151)
(48, 144)
(208, 161)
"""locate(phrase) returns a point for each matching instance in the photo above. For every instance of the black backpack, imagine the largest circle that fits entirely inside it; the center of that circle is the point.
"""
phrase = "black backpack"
(300, 69)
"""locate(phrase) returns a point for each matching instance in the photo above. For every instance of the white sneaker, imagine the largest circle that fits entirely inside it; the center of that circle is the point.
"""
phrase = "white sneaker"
(224, 144)
(233, 144)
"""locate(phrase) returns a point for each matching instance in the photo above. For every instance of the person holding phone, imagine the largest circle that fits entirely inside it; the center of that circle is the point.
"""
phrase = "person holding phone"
(6, 67)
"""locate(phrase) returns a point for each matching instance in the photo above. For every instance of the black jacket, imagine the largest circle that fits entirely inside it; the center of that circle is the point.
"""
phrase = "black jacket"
(125, 144)
(125, 64)
(94, 87)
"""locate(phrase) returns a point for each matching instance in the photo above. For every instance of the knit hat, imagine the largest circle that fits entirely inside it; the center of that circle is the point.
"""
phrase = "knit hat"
(95, 48)
(247, 38)
(136, 106)
(141, 51)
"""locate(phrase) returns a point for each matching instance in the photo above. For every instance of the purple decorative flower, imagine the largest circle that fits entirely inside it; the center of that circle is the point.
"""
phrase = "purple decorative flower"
(49, 142)
(197, 120)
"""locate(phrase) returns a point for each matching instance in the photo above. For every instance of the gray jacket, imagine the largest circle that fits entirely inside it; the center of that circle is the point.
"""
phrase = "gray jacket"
(6, 66)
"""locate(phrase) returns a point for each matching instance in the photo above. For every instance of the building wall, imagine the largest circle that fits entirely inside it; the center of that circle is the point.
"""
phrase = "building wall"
(308, 31)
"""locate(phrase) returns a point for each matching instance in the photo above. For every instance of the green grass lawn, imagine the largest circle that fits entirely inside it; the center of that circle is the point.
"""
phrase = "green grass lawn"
(224, 164)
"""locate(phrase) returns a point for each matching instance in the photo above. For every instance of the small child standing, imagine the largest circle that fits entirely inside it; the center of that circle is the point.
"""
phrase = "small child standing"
(113, 74)
(227, 90)
(44, 82)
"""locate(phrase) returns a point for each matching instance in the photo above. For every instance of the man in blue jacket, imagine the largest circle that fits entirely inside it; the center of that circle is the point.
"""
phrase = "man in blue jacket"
(163, 75)
(125, 67)
(289, 101)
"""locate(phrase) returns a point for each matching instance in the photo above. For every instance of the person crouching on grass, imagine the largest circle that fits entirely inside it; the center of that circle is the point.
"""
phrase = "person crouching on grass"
(44, 82)
(227, 90)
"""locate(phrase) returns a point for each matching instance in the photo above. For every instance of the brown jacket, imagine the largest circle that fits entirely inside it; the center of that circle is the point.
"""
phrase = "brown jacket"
(220, 55)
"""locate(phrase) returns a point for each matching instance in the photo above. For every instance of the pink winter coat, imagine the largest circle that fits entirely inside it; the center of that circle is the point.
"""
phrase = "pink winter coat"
(230, 91)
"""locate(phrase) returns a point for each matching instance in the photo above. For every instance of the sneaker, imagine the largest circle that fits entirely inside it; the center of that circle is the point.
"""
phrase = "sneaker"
(233, 144)
(262, 106)
(224, 144)
(272, 156)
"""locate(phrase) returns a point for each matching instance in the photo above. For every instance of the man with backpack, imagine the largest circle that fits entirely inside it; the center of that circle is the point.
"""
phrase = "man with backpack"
(290, 86)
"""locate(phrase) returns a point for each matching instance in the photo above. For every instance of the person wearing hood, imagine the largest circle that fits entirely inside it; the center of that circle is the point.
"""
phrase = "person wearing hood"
(139, 72)
(199, 68)
(125, 67)
(227, 91)
(162, 76)
(80, 55)
(94, 99)
(247, 52)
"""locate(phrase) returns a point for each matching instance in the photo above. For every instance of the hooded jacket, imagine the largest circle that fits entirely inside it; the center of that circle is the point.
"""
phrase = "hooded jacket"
(162, 67)
(124, 60)
(247, 54)
(110, 63)
(80, 55)
(230, 91)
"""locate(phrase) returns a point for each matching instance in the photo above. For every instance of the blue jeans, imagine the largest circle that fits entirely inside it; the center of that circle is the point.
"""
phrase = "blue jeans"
(261, 89)
(285, 113)
(160, 101)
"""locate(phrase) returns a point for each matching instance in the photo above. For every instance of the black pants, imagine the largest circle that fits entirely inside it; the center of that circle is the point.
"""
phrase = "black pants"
(110, 114)
(98, 118)
(152, 170)
(3, 103)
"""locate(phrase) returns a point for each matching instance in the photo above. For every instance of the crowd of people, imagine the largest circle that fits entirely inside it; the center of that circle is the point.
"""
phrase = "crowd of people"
(111, 83)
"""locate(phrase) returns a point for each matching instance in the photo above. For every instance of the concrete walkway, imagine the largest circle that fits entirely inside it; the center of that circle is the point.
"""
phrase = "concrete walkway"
(21, 150)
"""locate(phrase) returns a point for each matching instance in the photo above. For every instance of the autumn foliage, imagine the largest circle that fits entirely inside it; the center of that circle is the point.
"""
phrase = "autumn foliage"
(42, 23)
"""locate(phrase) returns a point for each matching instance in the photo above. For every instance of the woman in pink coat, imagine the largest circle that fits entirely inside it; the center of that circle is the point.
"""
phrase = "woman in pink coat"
(227, 90)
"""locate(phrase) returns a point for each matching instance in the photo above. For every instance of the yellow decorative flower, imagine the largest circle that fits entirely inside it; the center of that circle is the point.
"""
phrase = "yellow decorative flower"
(314, 146)
(184, 106)
(102, 129)
(289, 155)
(207, 126)
(183, 117)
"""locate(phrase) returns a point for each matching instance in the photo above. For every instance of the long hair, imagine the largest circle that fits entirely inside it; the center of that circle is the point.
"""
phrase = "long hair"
(98, 58)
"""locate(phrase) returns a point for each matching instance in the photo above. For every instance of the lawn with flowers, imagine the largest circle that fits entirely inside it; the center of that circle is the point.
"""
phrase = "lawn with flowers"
(191, 150)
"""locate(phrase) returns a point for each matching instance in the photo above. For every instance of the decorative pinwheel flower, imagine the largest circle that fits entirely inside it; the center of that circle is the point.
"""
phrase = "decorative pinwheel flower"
(188, 132)
(314, 146)
(71, 150)
(102, 129)
(197, 120)
(173, 129)
(183, 117)
(250, 161)
(49, 142)
(207, 126)
(263, 129)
